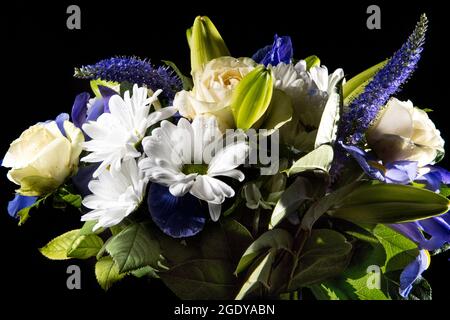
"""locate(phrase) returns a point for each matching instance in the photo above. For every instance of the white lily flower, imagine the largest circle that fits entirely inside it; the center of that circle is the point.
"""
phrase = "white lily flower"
(116, 134)
(188, 157)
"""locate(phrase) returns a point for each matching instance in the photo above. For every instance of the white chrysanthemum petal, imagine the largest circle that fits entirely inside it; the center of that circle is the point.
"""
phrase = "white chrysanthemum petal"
(115, 135)
(114, 197)
(214, 211)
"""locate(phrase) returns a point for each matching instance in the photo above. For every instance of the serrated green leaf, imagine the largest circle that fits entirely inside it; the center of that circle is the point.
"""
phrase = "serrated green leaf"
(272, 239)
(107, 272)
(67, 197)
(325, 255)
(202, 279)
(24, 214)
(391, 252)
(260, 275)
(318, 159)
(146, 271)
(389, 203)
(252, 97)
(226, 240)
(205, 43)
(355, 86)
(85, 246)
(134, 248)
(57, 248)
(294, 195)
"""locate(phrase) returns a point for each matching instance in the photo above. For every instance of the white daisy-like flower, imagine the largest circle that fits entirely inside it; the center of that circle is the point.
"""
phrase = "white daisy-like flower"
(188, 157)
(309, 91)
(116, 134)
(114, 197)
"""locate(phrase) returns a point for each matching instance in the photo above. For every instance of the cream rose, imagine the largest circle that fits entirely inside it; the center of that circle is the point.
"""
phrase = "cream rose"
(403, 132)
(42, 157)
(213, 88)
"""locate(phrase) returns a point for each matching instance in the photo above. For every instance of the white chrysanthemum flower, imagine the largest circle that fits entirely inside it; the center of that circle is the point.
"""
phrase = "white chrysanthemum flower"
(188, 157)
(114, 197)
(115, 134)
(309, 91)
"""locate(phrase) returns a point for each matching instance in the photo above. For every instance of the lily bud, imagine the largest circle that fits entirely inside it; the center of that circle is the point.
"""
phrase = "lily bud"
(205, 43)
(252, 97)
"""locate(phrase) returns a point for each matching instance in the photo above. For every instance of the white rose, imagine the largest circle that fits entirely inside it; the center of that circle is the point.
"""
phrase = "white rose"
(42, 157)
(213, 88)
(403, 132)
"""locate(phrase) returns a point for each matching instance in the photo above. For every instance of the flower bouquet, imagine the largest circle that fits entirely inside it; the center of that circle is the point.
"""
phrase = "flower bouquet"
(261, 177)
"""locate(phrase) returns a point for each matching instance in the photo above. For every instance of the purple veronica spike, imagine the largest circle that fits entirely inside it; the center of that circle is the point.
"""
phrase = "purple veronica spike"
(133, 70)
(364, 109)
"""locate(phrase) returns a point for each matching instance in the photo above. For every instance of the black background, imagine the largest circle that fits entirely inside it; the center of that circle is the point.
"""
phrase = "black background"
(37, 84)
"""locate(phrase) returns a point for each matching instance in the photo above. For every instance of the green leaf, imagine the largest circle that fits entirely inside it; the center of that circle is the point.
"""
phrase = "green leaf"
(390, 251)
(312, 61)
(88, 227)
(205, 43)
(320, 207)
(134, 248)
(355, 86)
(85, 246)
(291, 199)
(187, 81)
(226, 240)
(201, 279)
(146, 271)
(389, 203)
(57, 248)
(272, 239)
(67, 197)
(107, 272)
(24, 214)
(445, 191)
(325, 254)
(322, 292)
(259, 275)
(326, 133)
(318, 159)
(252, 97)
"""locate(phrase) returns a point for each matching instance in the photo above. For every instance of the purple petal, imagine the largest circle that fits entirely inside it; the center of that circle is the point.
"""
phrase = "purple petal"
(60, 122)
(401, 172)
(18, 203)
(412, 272)
(362, 158)
(79, 109)
(177, 217)
(280, 51)
(106, 93)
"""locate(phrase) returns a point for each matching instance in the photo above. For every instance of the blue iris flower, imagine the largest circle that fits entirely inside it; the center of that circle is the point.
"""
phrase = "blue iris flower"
(280, 51)
(177, 217)
(398, 172)
(413, 272)
(434, 179)
(18, 203)
(80, 112)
